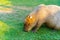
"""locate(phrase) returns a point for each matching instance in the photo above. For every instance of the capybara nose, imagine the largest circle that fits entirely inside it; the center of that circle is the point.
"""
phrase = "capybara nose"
(25, 28)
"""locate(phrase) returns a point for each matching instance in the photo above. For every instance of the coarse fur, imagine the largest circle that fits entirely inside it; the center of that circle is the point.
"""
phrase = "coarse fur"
(49, 14)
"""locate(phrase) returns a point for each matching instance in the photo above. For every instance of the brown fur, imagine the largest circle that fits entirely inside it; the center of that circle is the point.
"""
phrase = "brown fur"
(42, 14)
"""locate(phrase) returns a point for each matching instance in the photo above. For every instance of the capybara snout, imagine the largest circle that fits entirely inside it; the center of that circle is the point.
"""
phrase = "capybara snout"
(29, 22)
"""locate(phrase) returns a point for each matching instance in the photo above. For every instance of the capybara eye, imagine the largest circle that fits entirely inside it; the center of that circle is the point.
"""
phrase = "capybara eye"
(30, 16)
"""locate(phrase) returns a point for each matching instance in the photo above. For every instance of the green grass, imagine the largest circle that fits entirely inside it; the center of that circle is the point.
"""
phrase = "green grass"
(35, 2)
(11, 25)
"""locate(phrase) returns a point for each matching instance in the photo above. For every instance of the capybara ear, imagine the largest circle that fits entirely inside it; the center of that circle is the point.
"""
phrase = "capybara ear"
(41, 5)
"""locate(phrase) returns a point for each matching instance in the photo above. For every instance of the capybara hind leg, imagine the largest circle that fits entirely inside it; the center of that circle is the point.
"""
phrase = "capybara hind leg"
(57, 28)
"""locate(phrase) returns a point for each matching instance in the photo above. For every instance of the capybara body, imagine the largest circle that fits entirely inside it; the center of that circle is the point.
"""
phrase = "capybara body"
(49, 14)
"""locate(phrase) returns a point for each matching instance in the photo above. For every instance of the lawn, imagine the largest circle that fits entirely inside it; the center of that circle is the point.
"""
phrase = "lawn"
(12, 24)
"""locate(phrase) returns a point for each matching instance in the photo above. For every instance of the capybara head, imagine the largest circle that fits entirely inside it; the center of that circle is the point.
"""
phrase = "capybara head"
(29, 22)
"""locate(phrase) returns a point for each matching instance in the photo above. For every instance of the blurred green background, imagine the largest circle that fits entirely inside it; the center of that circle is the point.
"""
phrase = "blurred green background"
(11, 25)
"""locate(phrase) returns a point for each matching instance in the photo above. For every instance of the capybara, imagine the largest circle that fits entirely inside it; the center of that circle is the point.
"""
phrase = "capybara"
(48, 14)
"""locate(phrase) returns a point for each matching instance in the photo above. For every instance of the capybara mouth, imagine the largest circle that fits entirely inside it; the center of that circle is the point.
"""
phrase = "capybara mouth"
(26, 29)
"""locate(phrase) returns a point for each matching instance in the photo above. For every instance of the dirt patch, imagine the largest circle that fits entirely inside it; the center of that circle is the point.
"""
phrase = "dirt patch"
(5, 10)
(22, 7)
(13, 9)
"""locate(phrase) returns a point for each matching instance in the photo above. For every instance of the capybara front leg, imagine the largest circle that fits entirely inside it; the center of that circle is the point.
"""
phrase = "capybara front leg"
(37, 26)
